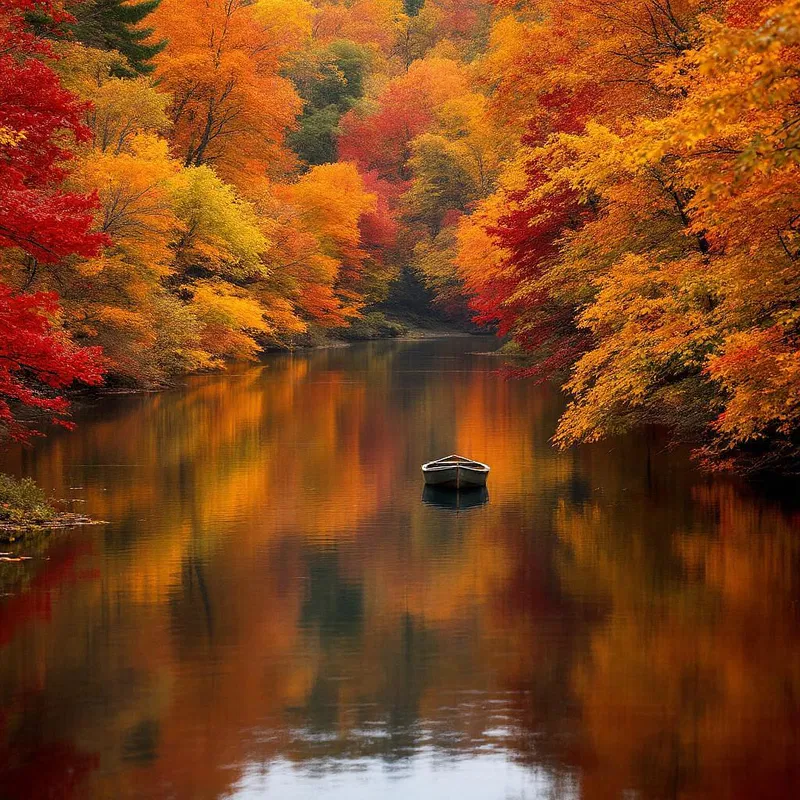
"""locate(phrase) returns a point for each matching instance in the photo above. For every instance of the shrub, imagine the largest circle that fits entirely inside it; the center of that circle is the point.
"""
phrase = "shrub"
(373, 325)
(23, 501)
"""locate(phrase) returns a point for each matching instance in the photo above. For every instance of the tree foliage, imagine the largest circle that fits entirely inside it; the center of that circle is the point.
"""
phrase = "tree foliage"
(641, 241)
(329, 80)
(610, 184)
(116, 25)
(37, 361)
(230, 106)
(38, 221)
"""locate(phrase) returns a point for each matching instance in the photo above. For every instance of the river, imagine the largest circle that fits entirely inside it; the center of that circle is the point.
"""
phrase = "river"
(276, 610)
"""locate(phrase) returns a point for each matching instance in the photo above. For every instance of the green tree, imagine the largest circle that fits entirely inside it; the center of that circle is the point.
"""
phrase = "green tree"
(115, 25)
(441, 181)
(330, 81)
(315, 140)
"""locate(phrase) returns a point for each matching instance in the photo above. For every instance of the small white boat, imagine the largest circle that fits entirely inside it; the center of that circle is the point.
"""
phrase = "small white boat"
(455, 472)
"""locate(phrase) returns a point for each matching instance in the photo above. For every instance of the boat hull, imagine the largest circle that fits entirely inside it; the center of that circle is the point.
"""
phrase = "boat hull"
(455, 478)
(455, 472)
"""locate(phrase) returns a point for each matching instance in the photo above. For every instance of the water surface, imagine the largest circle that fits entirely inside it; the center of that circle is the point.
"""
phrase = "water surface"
(275, 609)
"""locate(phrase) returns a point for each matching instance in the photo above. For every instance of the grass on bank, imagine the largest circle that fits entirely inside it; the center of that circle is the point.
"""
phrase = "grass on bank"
(22, 501)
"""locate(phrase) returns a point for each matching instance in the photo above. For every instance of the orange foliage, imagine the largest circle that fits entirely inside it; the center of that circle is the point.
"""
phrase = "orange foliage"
(642, 241)
(230, 105)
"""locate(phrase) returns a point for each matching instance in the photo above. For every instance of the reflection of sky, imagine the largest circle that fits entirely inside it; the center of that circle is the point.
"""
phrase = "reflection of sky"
(491, 776)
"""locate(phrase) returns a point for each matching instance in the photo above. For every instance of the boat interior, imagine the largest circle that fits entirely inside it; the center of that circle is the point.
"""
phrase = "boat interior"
(455, 461)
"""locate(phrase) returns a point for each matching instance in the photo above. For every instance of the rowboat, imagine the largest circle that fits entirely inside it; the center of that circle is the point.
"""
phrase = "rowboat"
(455, 472)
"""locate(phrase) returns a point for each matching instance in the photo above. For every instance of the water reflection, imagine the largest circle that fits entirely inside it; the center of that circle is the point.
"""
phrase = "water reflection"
(273, 612)
(455, 500)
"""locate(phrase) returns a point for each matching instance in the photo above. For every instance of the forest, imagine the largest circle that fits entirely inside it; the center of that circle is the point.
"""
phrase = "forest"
(611, 185)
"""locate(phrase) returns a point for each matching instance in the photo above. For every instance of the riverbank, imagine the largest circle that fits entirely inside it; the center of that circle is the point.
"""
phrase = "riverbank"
(401, 330)
(14, 531)
(25, 509)
(377, 325)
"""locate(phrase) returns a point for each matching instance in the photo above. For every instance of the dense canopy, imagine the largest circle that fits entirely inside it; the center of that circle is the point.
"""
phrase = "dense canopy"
(611, 184)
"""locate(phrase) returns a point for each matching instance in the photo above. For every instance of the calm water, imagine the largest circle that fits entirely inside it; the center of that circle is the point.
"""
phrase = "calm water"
(275, 610)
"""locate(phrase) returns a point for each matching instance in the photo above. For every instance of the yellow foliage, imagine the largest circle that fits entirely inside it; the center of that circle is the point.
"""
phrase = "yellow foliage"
(135, 189)
(10, 138)
(121, 108)
(218, 227)
(231, 318)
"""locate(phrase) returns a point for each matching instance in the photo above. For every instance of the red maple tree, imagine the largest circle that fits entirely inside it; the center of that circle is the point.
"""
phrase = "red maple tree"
(38, 118)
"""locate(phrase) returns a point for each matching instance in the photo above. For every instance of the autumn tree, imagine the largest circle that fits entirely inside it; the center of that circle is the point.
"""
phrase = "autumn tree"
(222, 67)
(629, 242)
(379, 138)
(331, 202)
(453, 166)
(38, 118)
(372, 23)
(37, 362)
(38, 221)
(416, 34)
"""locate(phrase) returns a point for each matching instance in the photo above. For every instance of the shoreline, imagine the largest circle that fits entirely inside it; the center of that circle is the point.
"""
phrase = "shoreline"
(15, 532)
(415, 334)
